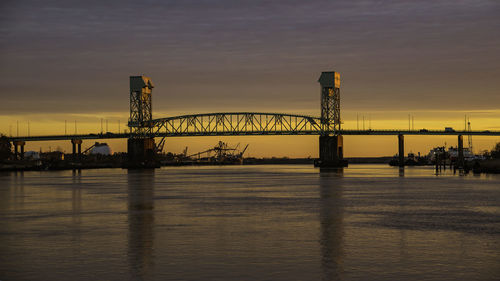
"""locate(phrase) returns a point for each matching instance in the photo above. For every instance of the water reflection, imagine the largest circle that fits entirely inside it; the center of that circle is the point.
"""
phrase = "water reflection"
(141, 222)
(76, 196)
(17, 192)
(331, 172)
(331, 220)
(6, 180)
(7, 197)
(402, 208)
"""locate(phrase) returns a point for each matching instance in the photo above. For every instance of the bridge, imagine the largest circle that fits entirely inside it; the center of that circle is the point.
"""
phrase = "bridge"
(193, 132)
(144, 129)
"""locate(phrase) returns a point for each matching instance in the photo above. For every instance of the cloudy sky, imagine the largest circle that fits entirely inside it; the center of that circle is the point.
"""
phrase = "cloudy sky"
(70, 60)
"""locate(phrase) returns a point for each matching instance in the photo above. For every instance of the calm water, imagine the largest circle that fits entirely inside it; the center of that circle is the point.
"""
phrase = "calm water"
(282, 222)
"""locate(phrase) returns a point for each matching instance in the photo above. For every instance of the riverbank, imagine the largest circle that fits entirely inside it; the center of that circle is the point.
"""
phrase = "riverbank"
(28, 165)
(281, 160)
(491, 166)
(484, 166)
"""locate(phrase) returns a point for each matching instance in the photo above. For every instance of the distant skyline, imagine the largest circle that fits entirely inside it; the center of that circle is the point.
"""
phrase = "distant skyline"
(70, 60)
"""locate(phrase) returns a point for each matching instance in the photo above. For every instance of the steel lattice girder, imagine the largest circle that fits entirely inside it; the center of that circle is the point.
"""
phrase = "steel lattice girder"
(330, 109)
(140, 106)
(235, 123)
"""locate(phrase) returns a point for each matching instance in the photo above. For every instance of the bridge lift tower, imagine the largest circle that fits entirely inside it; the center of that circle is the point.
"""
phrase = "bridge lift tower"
(141, 144)
(331, 144)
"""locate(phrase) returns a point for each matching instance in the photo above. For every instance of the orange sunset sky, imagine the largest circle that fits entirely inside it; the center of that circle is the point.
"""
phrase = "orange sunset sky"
(435, 60)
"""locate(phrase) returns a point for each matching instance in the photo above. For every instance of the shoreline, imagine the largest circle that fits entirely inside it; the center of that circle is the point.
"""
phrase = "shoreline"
(490, 166)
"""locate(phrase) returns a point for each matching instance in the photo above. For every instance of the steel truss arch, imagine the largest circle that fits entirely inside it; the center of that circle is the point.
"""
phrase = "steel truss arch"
(236, 124)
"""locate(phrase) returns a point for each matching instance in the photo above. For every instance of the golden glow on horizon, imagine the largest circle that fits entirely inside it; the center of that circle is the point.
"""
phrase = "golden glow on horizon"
(290, 146)
(268, 146)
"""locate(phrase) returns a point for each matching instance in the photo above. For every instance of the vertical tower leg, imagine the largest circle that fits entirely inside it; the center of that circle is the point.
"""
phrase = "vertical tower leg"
(140, 145)
(77, 143)
(401, 150)
(331, 150)
(19, 145)
(460, 151)
(80, 150)
(22, 150)
(16, 152)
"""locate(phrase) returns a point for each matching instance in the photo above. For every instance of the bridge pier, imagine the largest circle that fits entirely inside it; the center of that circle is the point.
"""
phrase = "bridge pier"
(401, 150)
(19, 145)
(460, 160)
(77, 154)
(141, 153)
(331, 152)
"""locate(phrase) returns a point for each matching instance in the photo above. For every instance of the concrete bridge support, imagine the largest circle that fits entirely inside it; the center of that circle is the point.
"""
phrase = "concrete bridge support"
(401, 150)
(77, 143)
(19, 145)
(331, 152)
(141, 152)
(460, 160)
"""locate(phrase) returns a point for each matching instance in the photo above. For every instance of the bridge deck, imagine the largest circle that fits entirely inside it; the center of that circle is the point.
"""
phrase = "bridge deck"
(245, 124)
(260, 133)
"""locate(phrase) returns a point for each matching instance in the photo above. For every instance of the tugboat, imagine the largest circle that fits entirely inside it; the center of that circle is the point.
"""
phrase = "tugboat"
(411, 160)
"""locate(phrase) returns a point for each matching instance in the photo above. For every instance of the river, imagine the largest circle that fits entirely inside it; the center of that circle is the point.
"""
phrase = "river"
(267, 222)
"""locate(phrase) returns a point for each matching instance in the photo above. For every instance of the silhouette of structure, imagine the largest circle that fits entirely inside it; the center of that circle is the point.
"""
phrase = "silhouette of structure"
(144, 129)
(331, 143)
(141, 143)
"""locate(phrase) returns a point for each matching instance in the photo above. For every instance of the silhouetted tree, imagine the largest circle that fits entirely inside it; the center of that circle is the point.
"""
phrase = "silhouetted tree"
(495, 152)
(5, 148)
